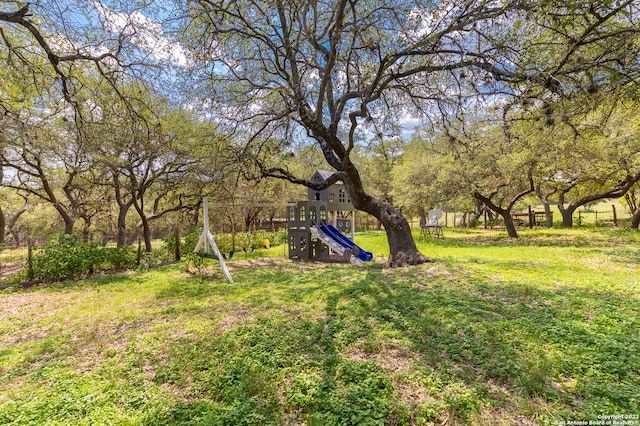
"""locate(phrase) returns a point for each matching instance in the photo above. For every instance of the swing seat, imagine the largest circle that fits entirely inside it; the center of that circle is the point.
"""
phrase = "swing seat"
(207, 255)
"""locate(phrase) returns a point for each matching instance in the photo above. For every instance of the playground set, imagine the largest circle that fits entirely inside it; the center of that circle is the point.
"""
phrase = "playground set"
(315, 226)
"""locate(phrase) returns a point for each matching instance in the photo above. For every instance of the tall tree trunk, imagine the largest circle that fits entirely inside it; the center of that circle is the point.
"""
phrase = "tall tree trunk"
(508, 224)
(145, 226)
(402, 247)
(196, 214)
(146, 230)
(68, 218)
(69, 221)
(547, 214)
(85, 230)
(505, 212)
(123, 209)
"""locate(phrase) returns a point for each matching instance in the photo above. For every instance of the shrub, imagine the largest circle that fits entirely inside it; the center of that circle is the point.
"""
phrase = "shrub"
(117, 257)
(70, 257)
(65, 257)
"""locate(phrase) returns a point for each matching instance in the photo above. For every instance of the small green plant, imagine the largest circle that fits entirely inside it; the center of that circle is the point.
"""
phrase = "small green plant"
(243, 241)
(461, 401)
(187, 245)
(195, 260)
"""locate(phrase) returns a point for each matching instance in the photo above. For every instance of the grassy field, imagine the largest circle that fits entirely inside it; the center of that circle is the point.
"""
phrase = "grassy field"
(542, 330)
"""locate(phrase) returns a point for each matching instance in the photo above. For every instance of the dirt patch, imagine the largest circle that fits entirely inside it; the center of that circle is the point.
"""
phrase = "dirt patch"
(9, 268)
(259, 262)
(31, 305)
(268, 264)
(234, 318)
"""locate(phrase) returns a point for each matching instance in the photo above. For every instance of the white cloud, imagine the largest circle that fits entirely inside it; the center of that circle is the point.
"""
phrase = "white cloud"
(145, 33)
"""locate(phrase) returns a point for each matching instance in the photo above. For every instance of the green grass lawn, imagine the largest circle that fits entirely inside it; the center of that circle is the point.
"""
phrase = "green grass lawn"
(540, 330)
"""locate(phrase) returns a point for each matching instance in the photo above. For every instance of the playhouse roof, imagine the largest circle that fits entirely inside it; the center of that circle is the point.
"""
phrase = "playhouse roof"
(321, 176)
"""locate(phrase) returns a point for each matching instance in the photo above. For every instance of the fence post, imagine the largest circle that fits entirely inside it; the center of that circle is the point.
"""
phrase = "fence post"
(531, 218)
(177, 253)
(615, 216)
(139, 258)
(29, 260)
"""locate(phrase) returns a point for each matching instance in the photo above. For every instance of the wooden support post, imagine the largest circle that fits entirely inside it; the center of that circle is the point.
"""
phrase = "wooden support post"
(177, 252)
(29, 260)
(615, 216)
(353, 225)
(485, 219)
(531, 218)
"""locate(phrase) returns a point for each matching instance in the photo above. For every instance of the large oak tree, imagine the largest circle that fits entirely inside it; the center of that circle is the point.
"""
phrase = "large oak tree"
(333, 70)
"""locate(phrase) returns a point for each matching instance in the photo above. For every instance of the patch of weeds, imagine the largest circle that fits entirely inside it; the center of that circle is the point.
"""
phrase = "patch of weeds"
(461, 401)
(540, 333)
(206, 412)
(361, 395)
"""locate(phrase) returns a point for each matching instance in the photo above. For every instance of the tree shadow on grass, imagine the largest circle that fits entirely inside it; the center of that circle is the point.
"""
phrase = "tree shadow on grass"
(577, 350)
(465, 346)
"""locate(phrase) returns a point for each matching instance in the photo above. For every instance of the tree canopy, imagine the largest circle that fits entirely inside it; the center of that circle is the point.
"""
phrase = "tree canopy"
(278, 77)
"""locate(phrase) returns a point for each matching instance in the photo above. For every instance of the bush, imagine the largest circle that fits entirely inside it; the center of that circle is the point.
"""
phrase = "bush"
(64, 258)
(69, 257)
(117, 257)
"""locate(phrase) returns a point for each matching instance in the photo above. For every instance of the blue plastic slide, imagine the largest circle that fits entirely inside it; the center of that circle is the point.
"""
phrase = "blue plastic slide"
(341, 239)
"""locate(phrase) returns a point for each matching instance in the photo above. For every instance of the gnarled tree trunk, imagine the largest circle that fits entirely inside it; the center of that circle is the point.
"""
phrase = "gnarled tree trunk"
(635, 219)
(505, 212)
(544, 199)
(402, 247)
(567, 214)
(616, 192)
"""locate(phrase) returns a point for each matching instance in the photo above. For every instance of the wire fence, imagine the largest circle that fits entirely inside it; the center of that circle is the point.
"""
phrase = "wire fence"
(12, 260)
(613, 216)
(14, 256)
